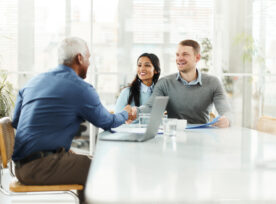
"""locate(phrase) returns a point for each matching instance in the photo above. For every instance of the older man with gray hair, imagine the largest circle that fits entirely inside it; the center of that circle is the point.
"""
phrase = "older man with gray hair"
(48, 113)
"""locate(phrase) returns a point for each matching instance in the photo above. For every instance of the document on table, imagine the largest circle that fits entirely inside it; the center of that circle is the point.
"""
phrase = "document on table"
(132, 129)
(207, 125)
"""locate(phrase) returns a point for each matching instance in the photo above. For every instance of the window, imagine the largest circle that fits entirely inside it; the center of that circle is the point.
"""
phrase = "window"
(124, 29)
(118, 31)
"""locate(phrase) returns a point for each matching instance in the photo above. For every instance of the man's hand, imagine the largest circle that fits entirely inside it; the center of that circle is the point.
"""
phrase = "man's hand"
(132, 111)
(223, 122)
(133, 115)
(128, 109)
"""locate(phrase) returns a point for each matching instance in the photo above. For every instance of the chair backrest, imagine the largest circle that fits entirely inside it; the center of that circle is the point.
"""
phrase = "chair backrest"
(267, 124)
(6, 140)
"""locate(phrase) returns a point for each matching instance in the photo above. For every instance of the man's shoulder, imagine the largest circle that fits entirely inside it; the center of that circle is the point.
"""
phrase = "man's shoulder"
(166, 81)
(60, 77)
(208, 78)
(69, 76)
(168, 78)
(171, 76)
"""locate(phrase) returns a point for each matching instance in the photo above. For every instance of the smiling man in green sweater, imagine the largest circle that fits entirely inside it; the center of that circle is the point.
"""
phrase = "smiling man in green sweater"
(191, 93)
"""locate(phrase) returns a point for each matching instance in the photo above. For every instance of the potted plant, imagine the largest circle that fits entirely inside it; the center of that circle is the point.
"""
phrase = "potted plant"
(206, 54)
(250, 49)
(6, 95)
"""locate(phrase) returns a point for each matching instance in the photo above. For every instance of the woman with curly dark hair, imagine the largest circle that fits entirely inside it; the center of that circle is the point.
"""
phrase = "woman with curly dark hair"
(139, 91)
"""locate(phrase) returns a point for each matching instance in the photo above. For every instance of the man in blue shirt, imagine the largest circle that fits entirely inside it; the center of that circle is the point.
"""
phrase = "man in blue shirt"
(48, 113)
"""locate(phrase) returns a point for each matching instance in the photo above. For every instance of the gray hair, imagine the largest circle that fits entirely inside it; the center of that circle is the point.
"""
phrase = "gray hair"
(69, 48)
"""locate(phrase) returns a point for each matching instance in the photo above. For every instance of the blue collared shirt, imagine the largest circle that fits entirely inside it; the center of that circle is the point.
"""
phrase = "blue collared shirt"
(192, 83)
(50, 108)
(146, 89)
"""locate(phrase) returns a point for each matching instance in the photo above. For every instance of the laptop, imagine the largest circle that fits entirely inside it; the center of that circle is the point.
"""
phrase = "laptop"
(158, 108)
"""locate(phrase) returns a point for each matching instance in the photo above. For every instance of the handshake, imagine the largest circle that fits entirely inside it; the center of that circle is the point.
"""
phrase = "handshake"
(132, 113)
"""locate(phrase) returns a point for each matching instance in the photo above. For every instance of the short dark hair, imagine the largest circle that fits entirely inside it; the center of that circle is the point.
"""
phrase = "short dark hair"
(192, 43)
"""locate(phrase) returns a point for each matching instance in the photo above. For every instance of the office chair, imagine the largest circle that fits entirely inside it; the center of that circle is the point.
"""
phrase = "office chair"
(16, 188)
(267, 124)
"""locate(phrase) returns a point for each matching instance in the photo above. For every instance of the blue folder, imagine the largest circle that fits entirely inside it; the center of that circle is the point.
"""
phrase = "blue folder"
(207, 125)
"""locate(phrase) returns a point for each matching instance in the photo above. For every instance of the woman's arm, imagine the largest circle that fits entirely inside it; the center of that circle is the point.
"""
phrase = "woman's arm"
(122, 100)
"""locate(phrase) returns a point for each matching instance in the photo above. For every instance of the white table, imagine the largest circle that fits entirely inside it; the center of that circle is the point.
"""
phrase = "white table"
(234, 165)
